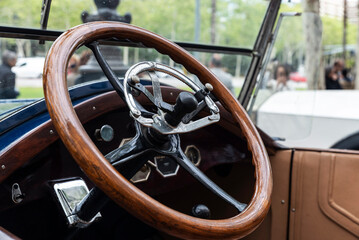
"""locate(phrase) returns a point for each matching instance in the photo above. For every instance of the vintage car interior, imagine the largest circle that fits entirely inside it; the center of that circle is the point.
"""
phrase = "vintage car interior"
(131, 157)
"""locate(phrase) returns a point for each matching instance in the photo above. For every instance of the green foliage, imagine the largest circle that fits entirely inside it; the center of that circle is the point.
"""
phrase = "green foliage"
(27, 13)
(333, 31)
(24, 13)
(290, 43)
(290, 35)
(173, 20)
(237, 22)
(332, 28)
(65, 14)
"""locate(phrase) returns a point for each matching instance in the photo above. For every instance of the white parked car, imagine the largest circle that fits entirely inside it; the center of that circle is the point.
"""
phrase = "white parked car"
(31, 67)
(319, 119)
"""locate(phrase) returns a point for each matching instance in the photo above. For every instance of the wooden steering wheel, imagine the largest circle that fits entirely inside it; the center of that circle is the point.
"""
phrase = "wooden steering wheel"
(108, 179)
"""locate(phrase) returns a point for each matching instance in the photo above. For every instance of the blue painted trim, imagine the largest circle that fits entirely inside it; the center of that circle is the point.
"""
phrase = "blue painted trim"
(30, 117)
(15, 133)
(26, 113)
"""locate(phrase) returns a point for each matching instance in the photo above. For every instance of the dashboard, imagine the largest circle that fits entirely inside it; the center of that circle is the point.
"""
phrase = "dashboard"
(39, 158)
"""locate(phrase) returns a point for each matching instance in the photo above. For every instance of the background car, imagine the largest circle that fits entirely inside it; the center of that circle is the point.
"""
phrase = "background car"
(31, 67)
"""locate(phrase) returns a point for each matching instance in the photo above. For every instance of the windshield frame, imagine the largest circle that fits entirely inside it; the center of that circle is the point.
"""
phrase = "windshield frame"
(264, 38)
(51, 35)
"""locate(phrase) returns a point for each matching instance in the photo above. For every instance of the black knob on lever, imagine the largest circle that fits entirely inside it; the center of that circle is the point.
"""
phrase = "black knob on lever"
(185, 103)
(201, 211)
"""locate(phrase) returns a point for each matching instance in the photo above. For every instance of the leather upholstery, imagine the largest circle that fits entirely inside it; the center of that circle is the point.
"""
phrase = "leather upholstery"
(322, 187)
(324, 196)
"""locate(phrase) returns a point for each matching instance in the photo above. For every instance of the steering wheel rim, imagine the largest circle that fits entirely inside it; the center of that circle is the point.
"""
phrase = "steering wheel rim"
(108, 179)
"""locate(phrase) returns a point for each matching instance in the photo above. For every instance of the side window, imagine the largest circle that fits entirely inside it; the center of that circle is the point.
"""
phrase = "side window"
(292, 113)
(21, 67)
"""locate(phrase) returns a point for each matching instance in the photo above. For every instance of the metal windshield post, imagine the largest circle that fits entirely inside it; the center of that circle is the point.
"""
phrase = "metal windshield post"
(267, 56)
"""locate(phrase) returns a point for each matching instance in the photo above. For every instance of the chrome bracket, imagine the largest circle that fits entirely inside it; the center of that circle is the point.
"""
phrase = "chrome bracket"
(69, 194)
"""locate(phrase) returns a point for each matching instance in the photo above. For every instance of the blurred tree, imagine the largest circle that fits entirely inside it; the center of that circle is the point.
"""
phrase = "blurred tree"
(21, 13)
(239, 22)
(332, 31)
(213, 21)
(27, 13)
(345, 24)
(313, 38)
(65, 14)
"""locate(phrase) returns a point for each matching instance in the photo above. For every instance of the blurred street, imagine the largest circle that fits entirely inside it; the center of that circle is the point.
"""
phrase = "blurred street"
(29, 82)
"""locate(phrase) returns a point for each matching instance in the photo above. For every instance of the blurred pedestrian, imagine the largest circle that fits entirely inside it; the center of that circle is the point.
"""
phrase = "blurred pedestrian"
(72, 70)
(85, 57)
(347, 79)
(281, 81)
(333, 75)
(215, 66)
(7, 77)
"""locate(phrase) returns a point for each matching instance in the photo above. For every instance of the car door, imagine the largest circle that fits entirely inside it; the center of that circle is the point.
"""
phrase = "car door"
(324, 195)
(315, 195)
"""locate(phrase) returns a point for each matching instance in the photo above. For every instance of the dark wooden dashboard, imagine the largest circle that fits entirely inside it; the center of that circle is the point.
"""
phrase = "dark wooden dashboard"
(39, 155)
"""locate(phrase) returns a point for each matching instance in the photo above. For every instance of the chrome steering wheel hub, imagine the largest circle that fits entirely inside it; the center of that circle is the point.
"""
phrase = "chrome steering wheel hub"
(157, 121)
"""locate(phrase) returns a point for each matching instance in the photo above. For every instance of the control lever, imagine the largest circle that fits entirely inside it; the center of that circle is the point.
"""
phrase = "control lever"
(185, 103)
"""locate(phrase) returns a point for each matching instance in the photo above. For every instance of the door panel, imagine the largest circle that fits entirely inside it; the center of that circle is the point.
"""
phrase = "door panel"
(322, 188)
(324, 196)
(339, 190)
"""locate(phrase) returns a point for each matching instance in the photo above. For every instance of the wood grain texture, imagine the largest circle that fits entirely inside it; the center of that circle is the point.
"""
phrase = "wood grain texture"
(108, 179)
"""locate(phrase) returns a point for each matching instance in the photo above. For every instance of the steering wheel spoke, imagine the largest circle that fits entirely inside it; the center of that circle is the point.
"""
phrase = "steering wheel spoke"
(130, 150)
(180, 157)
(184, 162)
(111, 76)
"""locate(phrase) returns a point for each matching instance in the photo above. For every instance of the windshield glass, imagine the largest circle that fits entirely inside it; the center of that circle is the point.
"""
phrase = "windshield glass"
(225, 23)
(298, 111)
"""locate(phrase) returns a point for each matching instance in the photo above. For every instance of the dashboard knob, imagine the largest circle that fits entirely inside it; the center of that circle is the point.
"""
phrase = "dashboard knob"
(185, 103)
(105, 133)
(201, 211)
